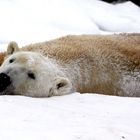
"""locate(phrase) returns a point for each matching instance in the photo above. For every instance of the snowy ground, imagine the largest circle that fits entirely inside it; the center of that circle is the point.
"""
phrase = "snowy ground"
(75, 116)
(70, 117)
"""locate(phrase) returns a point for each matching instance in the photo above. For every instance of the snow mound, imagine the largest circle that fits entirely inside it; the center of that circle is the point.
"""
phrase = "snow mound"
(29, 21)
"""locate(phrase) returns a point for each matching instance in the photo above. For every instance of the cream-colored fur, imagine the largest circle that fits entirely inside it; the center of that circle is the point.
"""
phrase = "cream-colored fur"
(88, 63)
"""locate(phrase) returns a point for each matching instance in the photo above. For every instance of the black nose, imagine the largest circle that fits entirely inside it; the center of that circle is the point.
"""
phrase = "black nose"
(5, 81)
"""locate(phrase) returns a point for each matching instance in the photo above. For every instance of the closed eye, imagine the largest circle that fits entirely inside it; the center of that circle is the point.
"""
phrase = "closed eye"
(31, 75)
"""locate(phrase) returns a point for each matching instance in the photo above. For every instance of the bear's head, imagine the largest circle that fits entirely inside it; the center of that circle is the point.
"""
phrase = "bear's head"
(31, 74)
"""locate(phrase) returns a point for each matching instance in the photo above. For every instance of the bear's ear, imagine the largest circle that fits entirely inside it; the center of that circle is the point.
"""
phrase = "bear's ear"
(12, 48)
(62, 86)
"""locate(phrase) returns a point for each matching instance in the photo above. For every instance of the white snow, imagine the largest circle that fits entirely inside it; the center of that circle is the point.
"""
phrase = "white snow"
(29, 21)
(71, 117)
(76, 116)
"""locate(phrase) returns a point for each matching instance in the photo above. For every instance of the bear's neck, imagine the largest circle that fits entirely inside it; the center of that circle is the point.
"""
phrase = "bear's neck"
(75, 72)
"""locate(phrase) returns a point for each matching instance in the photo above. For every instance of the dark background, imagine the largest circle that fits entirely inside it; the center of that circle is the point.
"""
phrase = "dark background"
(137, 2)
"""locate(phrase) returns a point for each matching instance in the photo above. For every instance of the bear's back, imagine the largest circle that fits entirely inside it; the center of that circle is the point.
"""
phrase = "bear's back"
(76, 46)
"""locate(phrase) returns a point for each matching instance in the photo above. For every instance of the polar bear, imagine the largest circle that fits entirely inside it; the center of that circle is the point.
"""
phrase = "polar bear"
(84, 63)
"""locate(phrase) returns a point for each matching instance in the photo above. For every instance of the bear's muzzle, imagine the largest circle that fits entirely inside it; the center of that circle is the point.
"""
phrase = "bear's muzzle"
(5, 81)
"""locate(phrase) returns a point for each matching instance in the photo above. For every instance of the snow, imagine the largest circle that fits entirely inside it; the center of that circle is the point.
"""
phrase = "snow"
(75, 116)
(29, 21)
(71, 117)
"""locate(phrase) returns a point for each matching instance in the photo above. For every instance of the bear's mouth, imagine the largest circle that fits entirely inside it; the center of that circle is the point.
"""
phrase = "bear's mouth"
(6, 84)
(8, 91)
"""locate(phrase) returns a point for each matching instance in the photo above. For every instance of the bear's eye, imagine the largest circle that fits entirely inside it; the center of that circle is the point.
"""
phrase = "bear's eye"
(11, 60)
(31, 75)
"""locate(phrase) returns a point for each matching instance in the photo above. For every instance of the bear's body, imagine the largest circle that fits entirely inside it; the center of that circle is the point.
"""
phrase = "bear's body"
(87, 64)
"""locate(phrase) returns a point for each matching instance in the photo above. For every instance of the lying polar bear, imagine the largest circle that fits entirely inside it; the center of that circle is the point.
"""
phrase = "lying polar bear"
(87, 63)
